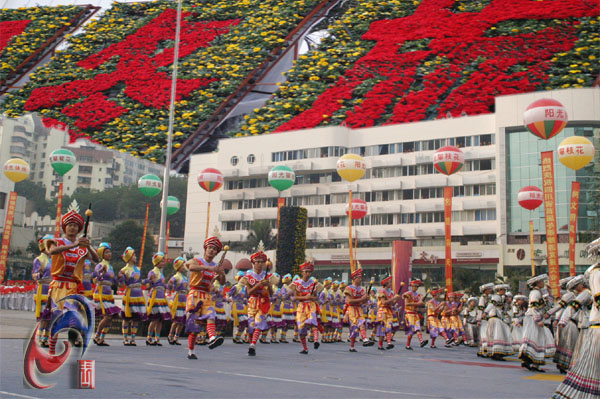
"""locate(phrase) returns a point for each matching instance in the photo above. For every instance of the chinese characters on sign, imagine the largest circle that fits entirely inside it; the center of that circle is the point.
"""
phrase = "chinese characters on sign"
(573, 225)
(10, 215)
(87, 374)
(550, 214)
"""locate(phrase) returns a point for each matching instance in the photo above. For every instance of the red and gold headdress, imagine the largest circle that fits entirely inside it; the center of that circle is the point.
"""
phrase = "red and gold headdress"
(307, 266)
(259, 256)
(215, 242)
(416, 282)
(386, 280)
(72, 217)
(357, 273)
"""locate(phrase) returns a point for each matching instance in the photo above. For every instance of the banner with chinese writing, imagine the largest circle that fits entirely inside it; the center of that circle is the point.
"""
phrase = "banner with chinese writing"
(448, 235)
(550, 215)
(573, 225)
(58, 210)
(10, 216)
(532, 249)
(280, 203)
(401, 266)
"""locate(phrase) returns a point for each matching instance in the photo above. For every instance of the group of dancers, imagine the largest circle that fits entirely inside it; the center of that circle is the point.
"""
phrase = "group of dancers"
(535, 327)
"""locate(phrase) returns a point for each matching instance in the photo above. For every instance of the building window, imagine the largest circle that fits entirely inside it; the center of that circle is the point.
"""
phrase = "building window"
(250, 158)
(234, 160)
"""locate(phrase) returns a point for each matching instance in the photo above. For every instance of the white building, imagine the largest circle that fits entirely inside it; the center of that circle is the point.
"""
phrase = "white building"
(404, 194)
(96, 168)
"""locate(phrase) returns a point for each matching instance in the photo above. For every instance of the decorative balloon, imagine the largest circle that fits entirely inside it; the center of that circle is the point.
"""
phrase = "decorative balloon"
(243, 264)
(545, 118)
(530, 197)
(210, 179)
(575, 152)
(351, 167)
(448, 160)
(359, 208)
(16, 169)
(150, 185)
(62, 161)
(172, 205)
(281, 177)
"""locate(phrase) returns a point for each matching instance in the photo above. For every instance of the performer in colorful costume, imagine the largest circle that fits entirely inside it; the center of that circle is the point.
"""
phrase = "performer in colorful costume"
(434, 309)
(41, 273)
(200, 305)
(519, 309)
(260, 290)
(105, 278)
(412, 318)
(68, 257)
(356, 297)
(499, 337)
(158, 306)
(533, 346)
(134, 304)
(218, 297)
(275, 313)
(178, 284)
(239, 309)
(386, 298)
(486, 292)
(325, 307)
(286, 295)
(306, 291)
(470, 322)
(583, 379)
(337, 298)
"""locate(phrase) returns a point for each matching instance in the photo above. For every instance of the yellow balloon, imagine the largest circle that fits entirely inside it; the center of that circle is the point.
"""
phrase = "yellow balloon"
(575, 152)
(351, 167)
(16, 169)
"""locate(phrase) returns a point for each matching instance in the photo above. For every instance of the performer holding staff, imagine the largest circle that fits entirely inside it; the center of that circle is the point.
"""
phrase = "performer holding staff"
(260, 290)
(200, 306)
(356, 296)
(134, 304)
(105, 278)
(179, 285)
(68, 257)
(386, 298)
(306, 291)
(413, 319)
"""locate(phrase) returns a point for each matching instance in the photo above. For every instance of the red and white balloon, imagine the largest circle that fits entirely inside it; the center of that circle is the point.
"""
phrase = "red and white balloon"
(359, 208)
(448, 160)
(210, 179)
(530, 197)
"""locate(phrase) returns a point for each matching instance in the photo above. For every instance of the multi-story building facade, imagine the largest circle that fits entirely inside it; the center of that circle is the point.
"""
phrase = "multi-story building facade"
(402, 189)
(96, 168)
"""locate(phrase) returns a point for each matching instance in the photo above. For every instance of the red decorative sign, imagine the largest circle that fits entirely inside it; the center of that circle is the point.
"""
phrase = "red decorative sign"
(573, 225)
(8, 225)
(550, 214)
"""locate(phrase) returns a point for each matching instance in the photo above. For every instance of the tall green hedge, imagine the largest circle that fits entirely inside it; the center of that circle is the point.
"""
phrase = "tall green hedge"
(292, 239)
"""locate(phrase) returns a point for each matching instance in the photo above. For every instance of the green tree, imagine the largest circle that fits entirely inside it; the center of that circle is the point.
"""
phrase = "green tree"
(129, 234)
(261, 231)
(36, 193)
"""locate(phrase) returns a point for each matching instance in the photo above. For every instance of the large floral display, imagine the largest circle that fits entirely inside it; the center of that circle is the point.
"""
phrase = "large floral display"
(397, 61)
(112, 83)
(25, 30)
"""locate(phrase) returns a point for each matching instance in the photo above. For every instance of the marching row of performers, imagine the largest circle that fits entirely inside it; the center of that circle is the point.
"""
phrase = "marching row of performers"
(257, 302)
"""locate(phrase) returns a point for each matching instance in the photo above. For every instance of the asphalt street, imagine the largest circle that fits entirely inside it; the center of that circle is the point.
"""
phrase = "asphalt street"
(280, 371)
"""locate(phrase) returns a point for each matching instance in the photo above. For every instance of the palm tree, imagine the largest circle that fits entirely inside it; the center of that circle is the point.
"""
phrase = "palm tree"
(261, 231)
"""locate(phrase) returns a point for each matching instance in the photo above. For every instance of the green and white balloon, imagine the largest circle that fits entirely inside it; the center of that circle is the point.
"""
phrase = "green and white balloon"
(62, 161)
(282, 177)
(150, 185)
(172, 205)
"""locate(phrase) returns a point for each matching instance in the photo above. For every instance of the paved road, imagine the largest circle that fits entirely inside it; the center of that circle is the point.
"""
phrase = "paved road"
(279, 370)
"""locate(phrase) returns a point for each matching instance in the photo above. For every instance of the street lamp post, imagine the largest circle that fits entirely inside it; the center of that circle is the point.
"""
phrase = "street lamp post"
(162, 241)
